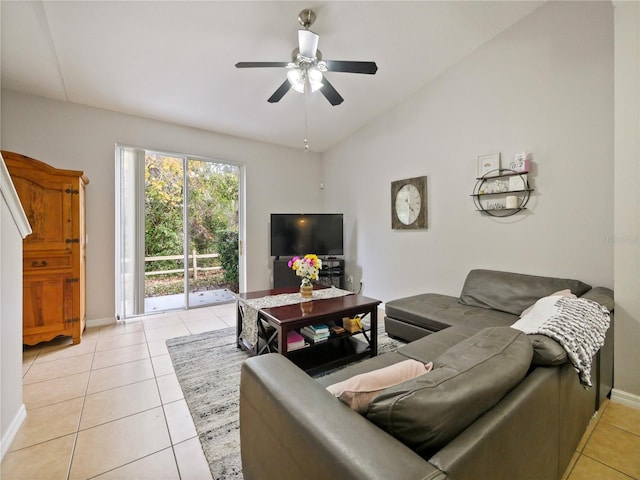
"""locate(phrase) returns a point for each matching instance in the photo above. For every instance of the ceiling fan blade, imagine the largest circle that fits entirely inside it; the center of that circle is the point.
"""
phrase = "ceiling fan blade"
(280, 92)
(351, 67)
(308, 43)
(330, 93)
(260, 64)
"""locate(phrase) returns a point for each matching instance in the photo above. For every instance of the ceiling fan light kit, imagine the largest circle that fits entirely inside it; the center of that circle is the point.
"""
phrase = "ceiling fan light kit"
(307, 68)
(299, 78)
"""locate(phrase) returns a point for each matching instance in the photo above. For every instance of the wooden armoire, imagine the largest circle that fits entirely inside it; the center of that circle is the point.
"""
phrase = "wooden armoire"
(54, 254)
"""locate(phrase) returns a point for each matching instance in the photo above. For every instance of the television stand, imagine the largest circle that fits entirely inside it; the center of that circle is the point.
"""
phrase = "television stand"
(332, 274)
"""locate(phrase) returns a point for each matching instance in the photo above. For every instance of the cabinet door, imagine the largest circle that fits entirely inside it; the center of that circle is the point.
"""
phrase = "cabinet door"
(47, 306)
(48, 206)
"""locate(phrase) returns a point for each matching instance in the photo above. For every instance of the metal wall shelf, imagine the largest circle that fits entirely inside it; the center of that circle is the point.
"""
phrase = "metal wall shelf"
(522, 194)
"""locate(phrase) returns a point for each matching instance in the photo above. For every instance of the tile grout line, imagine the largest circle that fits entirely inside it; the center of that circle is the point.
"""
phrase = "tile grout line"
(597, 416)
(164, 412)
(125, 464)
(608, 466)
(126, 416)
(567, 473)
(84, 401)
(90, 370)
(622, 429)
(180, 474)
(39, 352)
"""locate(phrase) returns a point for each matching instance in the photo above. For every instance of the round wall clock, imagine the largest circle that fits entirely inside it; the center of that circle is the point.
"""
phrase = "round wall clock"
(409, 203)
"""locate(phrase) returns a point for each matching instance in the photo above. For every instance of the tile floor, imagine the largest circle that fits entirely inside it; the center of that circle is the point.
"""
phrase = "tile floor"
(610, 448)
(111, 408)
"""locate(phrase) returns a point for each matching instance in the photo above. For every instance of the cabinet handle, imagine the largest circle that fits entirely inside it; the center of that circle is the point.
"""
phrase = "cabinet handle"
(72, 240)
(40, 264)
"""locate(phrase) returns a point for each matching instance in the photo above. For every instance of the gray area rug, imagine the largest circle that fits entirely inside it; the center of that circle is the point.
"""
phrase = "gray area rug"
(208, 368)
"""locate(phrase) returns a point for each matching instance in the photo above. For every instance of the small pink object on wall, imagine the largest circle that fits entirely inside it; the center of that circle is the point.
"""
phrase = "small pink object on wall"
(521, 163)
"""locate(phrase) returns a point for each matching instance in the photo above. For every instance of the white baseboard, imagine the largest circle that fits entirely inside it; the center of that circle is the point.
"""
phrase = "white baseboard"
(625, 398)
(12, 431)
(101, 322)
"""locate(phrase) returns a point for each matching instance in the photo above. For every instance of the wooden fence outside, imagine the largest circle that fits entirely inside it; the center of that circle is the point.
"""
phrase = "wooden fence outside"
(194, 261)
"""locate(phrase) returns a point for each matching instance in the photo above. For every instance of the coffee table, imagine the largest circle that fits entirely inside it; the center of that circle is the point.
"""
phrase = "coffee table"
(276, 322)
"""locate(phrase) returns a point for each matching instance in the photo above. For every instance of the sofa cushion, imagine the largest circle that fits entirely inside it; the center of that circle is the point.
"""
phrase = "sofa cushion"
(562, 293)
(359, 390)
(546, 351)
(512, 292)
(427, 348)
(468, 379)
(435, 312)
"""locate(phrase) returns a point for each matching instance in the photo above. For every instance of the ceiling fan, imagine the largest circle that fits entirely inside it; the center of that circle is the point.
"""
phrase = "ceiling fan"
(306, 69)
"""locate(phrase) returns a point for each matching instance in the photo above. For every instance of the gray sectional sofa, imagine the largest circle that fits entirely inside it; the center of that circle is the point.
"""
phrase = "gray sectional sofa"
(493, 298)
(498, 403)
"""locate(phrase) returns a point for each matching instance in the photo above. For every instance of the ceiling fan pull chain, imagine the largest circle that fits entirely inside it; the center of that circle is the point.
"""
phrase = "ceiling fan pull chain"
(306, 128)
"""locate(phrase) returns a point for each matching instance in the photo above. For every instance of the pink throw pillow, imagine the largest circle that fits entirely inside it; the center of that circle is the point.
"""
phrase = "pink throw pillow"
(359, 390)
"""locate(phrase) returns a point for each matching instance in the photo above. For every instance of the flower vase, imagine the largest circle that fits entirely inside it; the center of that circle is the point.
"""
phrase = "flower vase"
(306, 289)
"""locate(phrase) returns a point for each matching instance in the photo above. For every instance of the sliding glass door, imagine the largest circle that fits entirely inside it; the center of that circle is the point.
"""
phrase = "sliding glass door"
(178, 231)
(212, 222)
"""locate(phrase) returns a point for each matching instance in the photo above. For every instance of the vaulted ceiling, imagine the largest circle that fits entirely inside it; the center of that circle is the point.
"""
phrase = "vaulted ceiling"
(174, 61)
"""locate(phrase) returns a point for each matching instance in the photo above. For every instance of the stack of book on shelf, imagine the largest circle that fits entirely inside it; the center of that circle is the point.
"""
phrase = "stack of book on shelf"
(295, 341)
(315, 333)
(336, 330)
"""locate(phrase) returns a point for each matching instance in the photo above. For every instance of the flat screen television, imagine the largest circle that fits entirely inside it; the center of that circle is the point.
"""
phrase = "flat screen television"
(300, 233)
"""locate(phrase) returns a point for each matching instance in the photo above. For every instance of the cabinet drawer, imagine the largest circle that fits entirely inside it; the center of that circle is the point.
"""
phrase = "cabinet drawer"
(45, 262)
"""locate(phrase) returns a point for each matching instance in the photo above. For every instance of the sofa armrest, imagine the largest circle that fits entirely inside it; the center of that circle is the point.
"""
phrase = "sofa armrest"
(601, 295)
(292, 428)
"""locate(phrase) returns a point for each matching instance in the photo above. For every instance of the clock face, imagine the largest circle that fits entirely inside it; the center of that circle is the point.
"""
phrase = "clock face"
(408, 204)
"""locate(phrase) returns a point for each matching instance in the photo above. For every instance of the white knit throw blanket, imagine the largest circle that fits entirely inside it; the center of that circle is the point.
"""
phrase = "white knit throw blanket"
(578, 324)
(251, 307)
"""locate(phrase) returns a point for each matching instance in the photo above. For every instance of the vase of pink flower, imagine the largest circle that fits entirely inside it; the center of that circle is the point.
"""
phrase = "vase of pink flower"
(306, 267)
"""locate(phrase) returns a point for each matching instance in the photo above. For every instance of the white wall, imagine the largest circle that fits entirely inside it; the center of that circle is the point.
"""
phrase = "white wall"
(544, 86)
(71, 136)
(13, 227)
(627, 201)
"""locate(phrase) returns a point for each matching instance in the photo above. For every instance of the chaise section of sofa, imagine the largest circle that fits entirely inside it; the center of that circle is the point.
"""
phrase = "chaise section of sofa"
(489, 298)
(414, 317)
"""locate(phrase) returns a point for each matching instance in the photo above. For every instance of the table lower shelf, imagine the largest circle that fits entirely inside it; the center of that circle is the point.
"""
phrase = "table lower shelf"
(329, 354)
